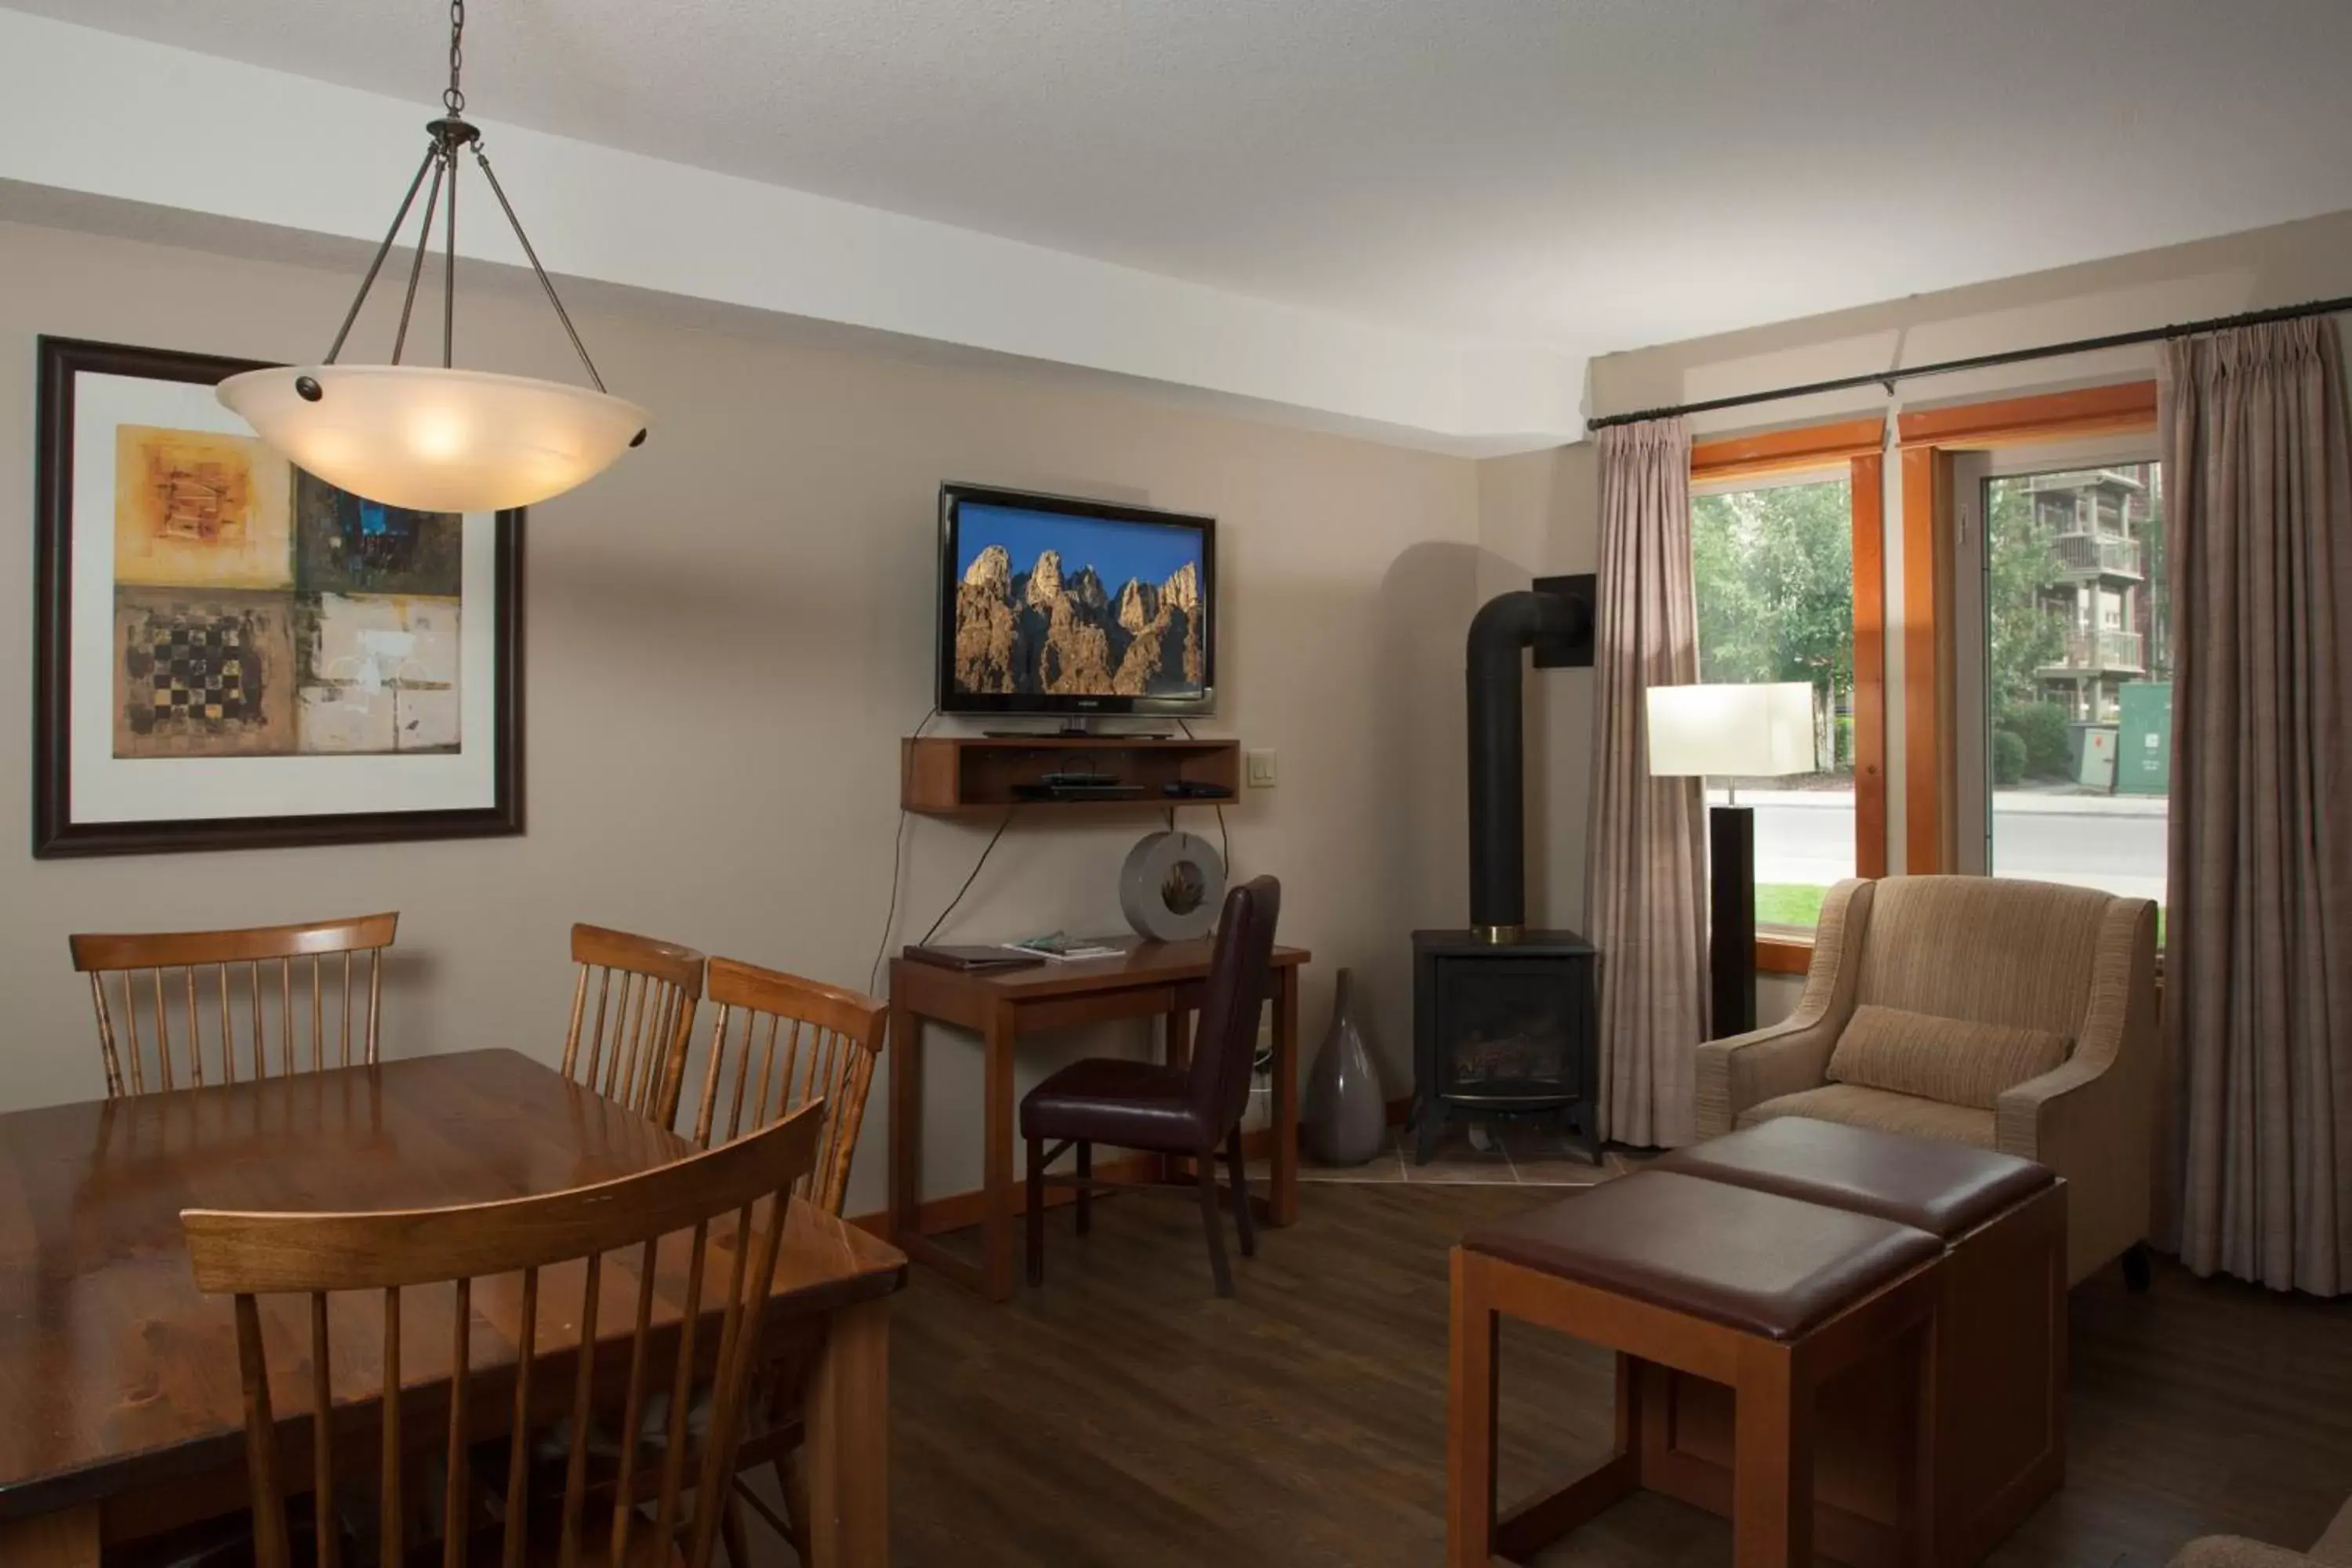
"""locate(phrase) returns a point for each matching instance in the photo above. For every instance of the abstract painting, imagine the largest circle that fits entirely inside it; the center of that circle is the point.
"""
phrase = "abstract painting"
(377, 673)
(347, 545)
(202, 674)
(234, 651)
(194, 508)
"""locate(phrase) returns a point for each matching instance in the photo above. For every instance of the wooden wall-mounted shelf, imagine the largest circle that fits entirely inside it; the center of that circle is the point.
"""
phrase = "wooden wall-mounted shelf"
(946, 775)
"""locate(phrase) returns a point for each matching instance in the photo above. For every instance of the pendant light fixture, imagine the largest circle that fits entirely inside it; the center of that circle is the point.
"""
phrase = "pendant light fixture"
(439, 439)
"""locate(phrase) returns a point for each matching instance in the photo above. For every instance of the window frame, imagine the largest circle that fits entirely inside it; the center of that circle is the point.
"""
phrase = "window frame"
(1972, 729)
(1860, 446)
(1931, 442)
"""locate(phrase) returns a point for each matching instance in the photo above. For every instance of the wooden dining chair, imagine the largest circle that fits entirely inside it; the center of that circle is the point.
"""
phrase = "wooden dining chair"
(557, 1243)
(254, 989)
(629, 1043)
(780, 1042)
(810, 1041)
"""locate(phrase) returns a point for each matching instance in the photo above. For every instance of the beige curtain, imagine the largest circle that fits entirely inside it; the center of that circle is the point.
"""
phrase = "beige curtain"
(1647, 889)
(2258, 960)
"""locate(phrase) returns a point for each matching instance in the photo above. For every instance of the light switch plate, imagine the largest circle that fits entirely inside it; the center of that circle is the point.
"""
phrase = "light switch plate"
(1260, 770)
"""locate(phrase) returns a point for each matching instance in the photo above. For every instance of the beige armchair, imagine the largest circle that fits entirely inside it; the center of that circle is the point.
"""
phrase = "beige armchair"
(2007, 1014)
(2332, 1550)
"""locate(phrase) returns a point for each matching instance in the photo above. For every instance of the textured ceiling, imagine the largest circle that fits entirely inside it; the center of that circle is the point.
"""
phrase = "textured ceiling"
(1596, 174)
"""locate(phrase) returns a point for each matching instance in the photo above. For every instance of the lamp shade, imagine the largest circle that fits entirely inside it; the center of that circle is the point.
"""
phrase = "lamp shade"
(1731, 732)
(431, 439)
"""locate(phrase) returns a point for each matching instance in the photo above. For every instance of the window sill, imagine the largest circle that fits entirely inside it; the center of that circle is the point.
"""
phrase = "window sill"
(1784, 954)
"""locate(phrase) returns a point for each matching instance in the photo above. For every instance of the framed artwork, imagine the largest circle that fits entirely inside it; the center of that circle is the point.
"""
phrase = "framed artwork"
(230, 653)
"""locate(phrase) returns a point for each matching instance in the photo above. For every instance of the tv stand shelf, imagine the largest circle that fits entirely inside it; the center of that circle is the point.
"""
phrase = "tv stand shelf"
(955, 775)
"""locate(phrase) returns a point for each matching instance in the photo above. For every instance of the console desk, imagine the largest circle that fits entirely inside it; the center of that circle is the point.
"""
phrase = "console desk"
(1149, 979)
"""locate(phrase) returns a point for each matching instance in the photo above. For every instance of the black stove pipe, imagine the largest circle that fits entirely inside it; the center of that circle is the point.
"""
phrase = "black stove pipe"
(1500, 635)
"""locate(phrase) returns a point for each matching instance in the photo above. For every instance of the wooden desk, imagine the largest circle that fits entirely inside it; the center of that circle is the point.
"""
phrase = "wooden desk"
(1150, 979)
(119, 1379)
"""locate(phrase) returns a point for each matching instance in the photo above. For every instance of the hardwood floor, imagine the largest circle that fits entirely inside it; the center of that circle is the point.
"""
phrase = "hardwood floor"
(1123, 1416)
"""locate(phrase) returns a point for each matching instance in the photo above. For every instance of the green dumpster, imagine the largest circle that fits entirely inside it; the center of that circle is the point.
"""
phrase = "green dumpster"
(2144, 749)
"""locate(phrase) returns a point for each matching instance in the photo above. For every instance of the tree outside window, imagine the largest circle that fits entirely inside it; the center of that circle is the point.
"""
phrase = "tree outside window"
(1772, 568)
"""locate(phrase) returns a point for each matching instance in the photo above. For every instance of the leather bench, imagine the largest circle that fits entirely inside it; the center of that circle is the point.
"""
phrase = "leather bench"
(1996, 1417)
(1770, 1297)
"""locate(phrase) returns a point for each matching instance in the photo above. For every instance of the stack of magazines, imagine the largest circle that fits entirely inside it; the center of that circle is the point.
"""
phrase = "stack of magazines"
(1063, 948)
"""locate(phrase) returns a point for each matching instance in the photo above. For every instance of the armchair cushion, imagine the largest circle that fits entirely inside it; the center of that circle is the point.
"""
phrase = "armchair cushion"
(1990, 950)
(1950, 1059)
(1910, 1114)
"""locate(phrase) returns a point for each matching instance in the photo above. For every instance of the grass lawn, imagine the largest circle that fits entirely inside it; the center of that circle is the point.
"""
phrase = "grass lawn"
(1800, 905)
(1789, 904)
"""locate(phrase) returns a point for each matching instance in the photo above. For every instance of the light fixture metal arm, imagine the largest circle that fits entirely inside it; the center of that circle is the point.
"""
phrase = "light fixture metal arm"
(376, 265)
(544, 281)
(450, 272)
(441, 164)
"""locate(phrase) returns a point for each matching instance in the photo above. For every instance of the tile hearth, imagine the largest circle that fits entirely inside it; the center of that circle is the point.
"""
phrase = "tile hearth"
(1520, 1155)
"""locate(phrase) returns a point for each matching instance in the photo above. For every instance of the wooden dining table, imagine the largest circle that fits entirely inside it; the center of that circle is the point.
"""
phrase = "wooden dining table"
(120, 1409)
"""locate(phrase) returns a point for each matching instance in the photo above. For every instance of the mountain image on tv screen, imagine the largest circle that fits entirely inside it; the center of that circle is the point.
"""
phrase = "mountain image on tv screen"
(1058, 605)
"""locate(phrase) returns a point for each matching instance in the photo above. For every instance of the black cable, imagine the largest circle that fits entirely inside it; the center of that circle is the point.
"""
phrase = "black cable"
(967, 881)
(897, 860)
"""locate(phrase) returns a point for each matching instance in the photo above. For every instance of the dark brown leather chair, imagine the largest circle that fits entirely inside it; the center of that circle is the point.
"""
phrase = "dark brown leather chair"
(1189, 1111)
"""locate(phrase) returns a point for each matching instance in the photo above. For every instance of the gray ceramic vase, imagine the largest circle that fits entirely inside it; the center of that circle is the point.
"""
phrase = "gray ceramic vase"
(1346, 1117)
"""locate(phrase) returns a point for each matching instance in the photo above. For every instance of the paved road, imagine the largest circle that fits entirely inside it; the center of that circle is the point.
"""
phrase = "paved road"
(2122, 851)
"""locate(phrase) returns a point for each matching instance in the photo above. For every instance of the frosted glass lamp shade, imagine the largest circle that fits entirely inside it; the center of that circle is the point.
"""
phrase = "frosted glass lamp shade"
(435, 440)
(1731, 732)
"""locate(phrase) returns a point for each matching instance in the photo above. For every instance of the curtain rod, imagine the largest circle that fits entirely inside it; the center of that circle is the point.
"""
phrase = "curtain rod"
(1888, 378)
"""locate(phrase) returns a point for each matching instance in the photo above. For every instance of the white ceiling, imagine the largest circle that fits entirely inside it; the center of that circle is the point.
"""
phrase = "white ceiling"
(1591, 175)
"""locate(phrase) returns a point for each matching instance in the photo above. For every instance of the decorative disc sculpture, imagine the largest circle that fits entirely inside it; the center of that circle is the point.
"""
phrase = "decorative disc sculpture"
(1170, 885)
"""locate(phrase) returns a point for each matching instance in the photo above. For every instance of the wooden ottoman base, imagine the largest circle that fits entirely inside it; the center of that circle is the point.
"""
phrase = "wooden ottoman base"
(1997, 1411)
(1775, 1386)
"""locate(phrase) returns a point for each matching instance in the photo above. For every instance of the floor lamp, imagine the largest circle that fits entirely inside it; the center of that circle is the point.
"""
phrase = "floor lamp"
(1731, 732)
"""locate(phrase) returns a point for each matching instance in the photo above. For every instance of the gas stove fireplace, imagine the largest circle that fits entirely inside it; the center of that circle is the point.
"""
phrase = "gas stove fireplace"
(1502, 1016)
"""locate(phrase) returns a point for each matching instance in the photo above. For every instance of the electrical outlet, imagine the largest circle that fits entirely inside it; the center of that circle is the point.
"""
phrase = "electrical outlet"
(1261, 768)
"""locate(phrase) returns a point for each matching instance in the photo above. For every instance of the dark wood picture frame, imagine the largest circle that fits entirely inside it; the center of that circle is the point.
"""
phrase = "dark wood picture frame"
(55, 832)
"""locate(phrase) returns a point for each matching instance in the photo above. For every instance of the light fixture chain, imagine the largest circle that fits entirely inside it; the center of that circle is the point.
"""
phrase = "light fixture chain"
(454, 100)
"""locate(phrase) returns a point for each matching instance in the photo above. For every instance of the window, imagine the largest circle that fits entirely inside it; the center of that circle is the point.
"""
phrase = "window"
(2074, 699)
(1772, 566)
(2038, 648)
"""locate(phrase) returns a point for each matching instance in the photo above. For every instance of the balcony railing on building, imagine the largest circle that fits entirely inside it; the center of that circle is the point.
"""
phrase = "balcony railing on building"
(2116, 652)
(2096, 555)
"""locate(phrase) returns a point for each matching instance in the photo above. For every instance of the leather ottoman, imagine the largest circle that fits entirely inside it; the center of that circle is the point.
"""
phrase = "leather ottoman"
(1996, 1413)
(1769, 1297)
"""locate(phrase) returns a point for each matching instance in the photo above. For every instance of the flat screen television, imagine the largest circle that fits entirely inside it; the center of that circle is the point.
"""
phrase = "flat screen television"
(1052, 606)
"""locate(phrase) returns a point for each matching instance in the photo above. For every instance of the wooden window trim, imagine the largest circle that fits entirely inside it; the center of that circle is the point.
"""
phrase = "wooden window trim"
(2114, 410)
(1787, 451)
(1930, 648)
(1859, 444)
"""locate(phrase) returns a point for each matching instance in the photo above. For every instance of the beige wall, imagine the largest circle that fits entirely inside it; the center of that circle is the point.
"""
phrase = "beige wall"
(726, 637)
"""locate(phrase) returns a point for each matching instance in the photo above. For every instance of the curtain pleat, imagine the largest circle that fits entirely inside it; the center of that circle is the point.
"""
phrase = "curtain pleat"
(1646, 892)
(2258, 960)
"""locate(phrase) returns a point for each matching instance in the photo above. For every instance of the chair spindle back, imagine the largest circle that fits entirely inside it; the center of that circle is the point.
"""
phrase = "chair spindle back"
(628, 1041)
(812, 1041)
(557, 1243)
(158, 995)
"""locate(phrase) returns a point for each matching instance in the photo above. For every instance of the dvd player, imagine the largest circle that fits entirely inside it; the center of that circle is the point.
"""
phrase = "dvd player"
(1076, 789)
